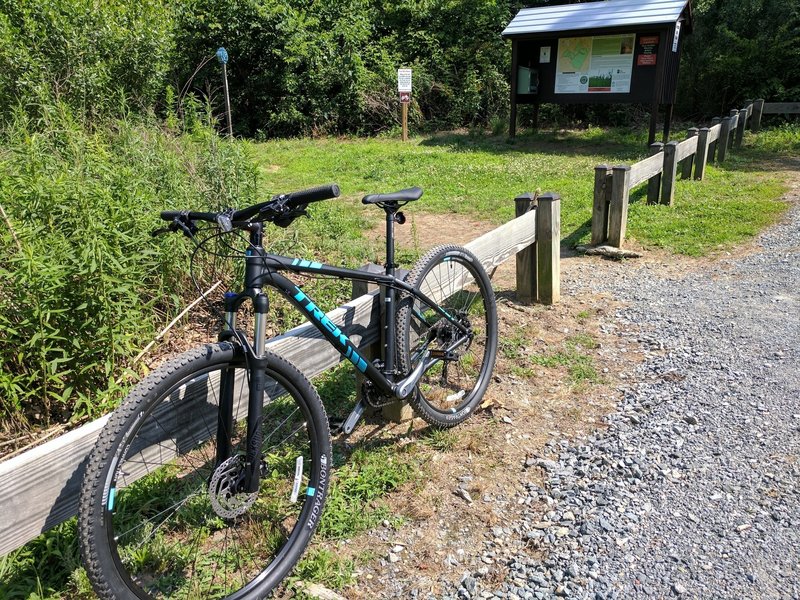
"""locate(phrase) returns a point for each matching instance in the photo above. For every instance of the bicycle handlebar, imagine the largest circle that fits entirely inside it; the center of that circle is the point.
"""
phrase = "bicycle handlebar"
(283, 204)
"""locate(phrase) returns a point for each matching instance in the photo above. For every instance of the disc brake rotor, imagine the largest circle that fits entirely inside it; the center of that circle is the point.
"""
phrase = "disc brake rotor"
(222, 489)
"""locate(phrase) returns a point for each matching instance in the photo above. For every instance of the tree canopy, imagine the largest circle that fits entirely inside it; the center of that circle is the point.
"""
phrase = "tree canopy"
(303, 67)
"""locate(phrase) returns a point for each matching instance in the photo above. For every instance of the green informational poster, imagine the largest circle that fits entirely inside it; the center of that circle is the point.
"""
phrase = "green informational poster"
(595, 65)
(524, 80)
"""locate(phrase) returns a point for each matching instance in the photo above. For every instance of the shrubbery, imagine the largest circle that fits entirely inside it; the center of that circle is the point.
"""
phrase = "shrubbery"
(97, 57)
(83, 285)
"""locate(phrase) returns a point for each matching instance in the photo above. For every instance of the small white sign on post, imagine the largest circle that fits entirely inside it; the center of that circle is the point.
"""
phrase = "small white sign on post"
(403, 80)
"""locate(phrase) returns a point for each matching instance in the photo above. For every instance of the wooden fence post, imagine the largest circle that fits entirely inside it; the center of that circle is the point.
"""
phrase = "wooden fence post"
(712, 147)
(548, 248)
(702, 154)
(618, 212)
(686, 167)
(602, 197)
(734, 124)
(654, 183)
(526, 258)
(724, 135)
(758, 110)
(740, 127)
(669, 175)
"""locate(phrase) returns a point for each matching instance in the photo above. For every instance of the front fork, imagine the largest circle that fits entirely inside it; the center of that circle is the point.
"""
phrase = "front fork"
(256, 368)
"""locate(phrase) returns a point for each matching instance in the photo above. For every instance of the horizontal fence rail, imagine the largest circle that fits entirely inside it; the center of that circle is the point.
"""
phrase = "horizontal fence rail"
(759, 108)
(689, 157)
(41, 486)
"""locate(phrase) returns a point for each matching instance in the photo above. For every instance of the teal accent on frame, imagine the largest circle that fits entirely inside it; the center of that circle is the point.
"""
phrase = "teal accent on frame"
(307, 264)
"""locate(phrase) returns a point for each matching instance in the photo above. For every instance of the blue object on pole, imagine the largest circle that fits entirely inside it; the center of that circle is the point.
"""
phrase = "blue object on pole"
(222, 56)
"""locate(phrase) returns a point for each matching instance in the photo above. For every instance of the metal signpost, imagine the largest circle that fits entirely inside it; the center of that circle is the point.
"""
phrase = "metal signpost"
(222, 57)
(404, 88)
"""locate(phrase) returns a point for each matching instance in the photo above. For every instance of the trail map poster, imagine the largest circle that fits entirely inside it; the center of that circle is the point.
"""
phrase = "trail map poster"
(595, 65)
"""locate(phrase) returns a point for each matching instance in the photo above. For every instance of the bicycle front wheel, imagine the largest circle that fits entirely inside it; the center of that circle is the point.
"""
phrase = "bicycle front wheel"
(162, 514)
(462, 362)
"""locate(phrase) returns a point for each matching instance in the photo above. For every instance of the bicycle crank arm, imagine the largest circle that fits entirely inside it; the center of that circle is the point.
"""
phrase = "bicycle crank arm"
(403, 388)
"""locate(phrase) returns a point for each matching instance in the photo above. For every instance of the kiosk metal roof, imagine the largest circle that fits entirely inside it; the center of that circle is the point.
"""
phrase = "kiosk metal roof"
(594, 15)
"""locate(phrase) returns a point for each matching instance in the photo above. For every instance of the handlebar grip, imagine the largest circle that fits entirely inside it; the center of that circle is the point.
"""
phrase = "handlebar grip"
(315, 194)
(170, 215)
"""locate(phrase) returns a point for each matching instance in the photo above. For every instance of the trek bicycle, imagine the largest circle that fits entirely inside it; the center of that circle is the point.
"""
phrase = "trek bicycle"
(210, 479)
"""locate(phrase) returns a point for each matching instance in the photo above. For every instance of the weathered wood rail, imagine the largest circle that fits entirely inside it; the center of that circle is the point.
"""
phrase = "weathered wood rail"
(689, 158)
(41, 486)
(772, 108)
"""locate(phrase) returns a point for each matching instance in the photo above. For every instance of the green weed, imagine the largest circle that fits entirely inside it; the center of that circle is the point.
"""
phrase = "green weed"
(324, 567)
(441, 440)
(368, 474)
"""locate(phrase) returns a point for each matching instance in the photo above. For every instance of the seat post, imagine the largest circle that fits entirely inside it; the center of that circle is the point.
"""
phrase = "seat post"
(390, 295)
(391, 212)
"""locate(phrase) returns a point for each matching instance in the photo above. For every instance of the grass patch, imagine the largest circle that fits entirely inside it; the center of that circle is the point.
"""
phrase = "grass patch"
(783, 140)
(474, 175)
(478, 175)
(441, 440)
(367, 475)
(573, 357)
(324, 567)
(731, 205)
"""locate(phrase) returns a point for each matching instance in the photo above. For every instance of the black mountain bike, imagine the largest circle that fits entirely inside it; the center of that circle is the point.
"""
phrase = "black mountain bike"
(210, 478)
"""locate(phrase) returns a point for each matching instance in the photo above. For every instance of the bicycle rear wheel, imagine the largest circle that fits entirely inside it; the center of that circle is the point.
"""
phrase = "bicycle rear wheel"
(451, 387)
(160, 514)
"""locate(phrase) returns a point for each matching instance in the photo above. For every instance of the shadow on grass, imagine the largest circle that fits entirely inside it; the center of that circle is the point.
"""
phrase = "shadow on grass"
(622, 144)
(575, 238)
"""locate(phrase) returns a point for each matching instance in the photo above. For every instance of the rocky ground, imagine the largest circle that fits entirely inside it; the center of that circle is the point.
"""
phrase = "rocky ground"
(688, 483)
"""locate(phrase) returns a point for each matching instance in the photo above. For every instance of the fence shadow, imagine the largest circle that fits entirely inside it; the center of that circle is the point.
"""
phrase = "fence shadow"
(622, 146)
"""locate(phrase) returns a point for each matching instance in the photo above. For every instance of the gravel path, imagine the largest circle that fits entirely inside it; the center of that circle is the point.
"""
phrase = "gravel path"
(693, 490)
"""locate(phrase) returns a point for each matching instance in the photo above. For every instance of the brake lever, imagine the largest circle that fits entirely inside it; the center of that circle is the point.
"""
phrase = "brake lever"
(224, 221)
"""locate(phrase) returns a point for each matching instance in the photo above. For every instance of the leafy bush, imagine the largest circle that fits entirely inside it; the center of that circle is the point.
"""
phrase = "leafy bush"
(97, 57)
(329, 67)
(83, 285)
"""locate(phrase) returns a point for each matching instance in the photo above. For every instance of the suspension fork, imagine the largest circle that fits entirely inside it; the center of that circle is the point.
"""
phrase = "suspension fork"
(257, 367)
(226, 385)
(255, 363)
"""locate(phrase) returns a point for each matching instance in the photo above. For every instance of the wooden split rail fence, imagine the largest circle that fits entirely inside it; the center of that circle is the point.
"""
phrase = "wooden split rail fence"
(41, 485)
(613, 185)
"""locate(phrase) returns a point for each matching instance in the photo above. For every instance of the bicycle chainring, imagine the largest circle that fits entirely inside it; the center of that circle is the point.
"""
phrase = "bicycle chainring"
(373, 396)
(227, 502)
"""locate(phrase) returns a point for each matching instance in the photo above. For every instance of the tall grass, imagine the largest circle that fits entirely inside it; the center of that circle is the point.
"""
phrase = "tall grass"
(83, 285)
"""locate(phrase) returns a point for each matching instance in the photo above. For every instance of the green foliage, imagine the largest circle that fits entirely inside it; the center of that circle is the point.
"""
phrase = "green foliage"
(739, 50)
(97, 57)
(79, 268)
(324, 567)
(368, 474)
(47, 567)
(783, 140)
(328, 67)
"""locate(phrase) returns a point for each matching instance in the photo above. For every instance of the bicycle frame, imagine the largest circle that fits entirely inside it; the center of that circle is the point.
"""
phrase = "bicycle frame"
(263, 270)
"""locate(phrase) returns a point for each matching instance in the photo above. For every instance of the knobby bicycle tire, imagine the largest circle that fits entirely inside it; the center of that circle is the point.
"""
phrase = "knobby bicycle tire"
(451, 388)
(159, 518)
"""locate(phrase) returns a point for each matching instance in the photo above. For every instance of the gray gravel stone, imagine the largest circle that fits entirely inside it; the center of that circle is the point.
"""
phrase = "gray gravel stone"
(692, 488)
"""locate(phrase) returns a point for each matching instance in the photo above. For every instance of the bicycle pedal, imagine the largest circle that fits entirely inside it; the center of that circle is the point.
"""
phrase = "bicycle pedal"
(444, 355)
(355, 416)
